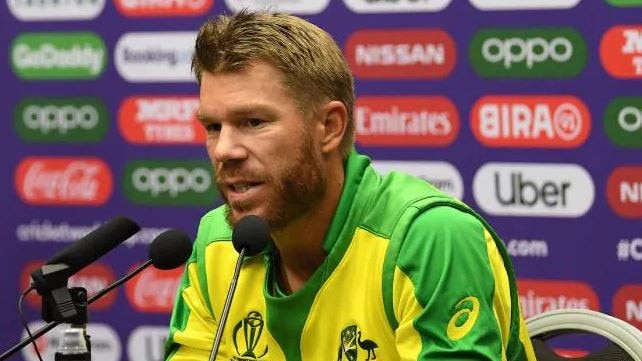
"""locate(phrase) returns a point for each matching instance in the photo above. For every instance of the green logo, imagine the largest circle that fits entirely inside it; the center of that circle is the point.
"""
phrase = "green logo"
(57, 55)
(625, 2)
(623, 122)
(170, 182)
(537, 52)
(57, 120)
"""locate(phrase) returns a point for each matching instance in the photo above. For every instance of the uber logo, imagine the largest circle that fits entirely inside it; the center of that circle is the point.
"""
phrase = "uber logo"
(529, 189)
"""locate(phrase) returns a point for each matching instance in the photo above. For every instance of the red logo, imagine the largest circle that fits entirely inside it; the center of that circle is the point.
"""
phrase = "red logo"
(161, 120)
(146, 8)
(92, 278)
(537, 296)
(63, 181)
(558, 121)
(401, 54)
(621, 51)
(154, 290)
(624, 191)
(406, 121)
(627, 304)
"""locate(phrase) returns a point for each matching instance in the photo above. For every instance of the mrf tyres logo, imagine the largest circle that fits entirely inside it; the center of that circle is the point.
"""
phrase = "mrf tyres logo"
(401, 54)
(533, 189)
(621, 51)
(532, 52)
(623, 122)
(523, 121)
(523, 4)
(442, 175)
(624, 191)
(170, 182)
(396, 6)
(58, 55)
(301, 7)
(29, 10)
(61, 120)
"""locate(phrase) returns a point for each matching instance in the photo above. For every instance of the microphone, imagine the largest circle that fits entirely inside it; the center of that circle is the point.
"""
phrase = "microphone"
(168, 250)
(249, 237)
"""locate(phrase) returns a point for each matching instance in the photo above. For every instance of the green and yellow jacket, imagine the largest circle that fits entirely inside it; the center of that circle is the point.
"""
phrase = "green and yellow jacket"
(410, 274)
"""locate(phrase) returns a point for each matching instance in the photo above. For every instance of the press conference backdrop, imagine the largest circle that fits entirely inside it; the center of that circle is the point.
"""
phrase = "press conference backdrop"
(530, 111)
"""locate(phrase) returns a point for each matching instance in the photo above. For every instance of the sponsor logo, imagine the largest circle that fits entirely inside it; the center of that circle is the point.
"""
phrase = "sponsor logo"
(147, 343)
(401, 54)
(629, 249)
(395, 6)
(92, 278)
(531, 189)
(624, 191)
(536, 248)
(303, 7)
(464, 319)
(48, 10)
(61, 120)
(154, 290)
(537, 296)
(534, 52)
(540, 121)
(161, 120)
(442, 175)
(523, 4)
(147, 8)
(351, 343)
(621, 51)
(170, 182)
(623, 121)
(430, 121)
(627, 304)
(63, 181)
(105, 343)
(58, 55)
(155, 56)
(625, 2)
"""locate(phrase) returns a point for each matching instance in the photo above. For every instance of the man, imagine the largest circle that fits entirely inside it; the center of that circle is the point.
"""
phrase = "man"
(363, 267)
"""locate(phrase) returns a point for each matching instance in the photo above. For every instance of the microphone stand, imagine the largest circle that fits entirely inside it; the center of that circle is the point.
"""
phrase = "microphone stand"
(46, 328)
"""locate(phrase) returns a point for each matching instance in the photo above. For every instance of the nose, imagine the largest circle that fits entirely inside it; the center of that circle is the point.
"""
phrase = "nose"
(228, 146)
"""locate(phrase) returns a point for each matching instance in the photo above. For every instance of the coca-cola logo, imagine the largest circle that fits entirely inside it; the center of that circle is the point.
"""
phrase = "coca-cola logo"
(63, 181)
(153, 290)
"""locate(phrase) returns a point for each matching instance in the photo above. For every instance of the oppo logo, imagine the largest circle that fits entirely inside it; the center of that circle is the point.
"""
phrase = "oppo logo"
(147, 343)
(537, 296)
(624, 191)
(549, 121)
(155, 56)
(52, 10)
(304, 7)
(531, 189)
(523, 4)
(396, 6)
(442, 175)
(623, 121)
(149, 8)
(621, 51)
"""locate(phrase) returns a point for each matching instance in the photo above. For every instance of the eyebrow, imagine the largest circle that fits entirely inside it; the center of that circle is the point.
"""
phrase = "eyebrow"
(243, 111)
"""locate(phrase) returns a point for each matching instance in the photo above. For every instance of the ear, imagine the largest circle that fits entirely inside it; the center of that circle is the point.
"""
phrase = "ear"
(333, 125)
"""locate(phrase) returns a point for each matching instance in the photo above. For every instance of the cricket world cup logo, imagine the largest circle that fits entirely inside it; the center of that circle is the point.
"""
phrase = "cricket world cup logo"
(247, 341)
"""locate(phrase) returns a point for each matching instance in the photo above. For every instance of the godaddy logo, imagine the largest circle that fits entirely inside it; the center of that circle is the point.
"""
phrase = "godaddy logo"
(61, 119)
(623, 121)
(169, 182)
(51, 55)
(538, 52)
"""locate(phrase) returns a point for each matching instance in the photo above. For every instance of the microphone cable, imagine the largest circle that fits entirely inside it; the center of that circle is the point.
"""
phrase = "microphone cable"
(24, 323)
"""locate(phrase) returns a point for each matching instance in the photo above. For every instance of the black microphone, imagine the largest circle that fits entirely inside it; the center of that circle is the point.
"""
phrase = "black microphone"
(250, 236)
(167, 251)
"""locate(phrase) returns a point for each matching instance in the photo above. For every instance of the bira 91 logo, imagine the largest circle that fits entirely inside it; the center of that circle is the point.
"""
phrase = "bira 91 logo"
(627, 304)
(624, 191)
(153, 290)
(303, 7)
(533, 189)
(78, 181)
(532, 52)
(51, 10)
(396, 6)
(539, 121)
(623, 121)
(57, 55)
(92, 278)
(170, 182)
(61, 120)
(538, 296)
(621, 51)
(401, 54)
(146, 8)
(398, 121)
(161, 120)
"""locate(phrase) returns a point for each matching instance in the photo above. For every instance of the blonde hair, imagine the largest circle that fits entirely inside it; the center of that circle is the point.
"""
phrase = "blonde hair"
(313, 67)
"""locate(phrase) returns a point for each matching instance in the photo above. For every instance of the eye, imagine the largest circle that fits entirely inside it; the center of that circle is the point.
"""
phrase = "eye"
(254, 122)
(213, 127)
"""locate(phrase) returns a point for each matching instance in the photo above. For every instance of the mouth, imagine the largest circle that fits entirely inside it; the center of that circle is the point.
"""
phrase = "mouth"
(242, 191)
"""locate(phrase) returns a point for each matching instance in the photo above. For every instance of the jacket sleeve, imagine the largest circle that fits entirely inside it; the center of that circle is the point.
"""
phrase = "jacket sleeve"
(453, 292)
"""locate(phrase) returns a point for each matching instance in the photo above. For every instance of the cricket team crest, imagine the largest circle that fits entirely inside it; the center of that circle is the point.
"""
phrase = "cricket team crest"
(350, 344)
(247, 338)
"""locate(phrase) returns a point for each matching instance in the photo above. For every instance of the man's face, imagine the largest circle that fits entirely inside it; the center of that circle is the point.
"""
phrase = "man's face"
(266, 158)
